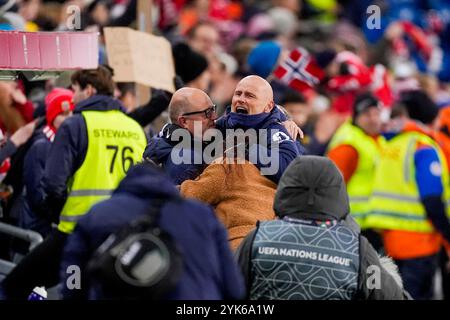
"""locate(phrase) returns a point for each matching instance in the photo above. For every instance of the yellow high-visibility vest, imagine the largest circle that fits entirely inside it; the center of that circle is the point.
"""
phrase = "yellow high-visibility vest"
(360, 185)
(325, 9)
(115, 142)
(395, 203)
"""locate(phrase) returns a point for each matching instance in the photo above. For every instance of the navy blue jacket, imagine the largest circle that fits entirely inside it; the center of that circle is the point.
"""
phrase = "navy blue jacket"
(15, 178)
(209, 271)
(68, 153)
(33, 171)
(159, 150)
(7, 150)
(272, 122)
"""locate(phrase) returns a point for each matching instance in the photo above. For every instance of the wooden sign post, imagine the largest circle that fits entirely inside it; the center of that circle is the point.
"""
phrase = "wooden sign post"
(144, 16)
(144, 24)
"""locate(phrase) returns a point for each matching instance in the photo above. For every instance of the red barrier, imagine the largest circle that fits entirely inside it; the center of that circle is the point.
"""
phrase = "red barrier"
(48, 51)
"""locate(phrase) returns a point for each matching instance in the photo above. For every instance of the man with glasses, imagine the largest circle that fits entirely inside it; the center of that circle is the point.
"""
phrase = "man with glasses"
(208, 112)
(192, 110)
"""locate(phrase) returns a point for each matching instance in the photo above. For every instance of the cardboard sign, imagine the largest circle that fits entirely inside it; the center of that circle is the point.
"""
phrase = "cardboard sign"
(140, 57)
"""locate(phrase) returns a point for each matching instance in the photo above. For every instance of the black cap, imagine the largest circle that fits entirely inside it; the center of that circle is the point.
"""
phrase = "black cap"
(419, 105)
(363, 102)
(188, 63)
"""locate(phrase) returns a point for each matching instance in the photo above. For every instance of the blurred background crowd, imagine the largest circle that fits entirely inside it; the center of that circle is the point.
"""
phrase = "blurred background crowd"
(318, 56)
(401, 45)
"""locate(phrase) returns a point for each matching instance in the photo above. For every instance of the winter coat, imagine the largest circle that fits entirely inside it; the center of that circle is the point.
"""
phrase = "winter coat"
(312, 190)
(209, 271)
(159, 150)
(33, 169)
(277, 137)
(240, 195)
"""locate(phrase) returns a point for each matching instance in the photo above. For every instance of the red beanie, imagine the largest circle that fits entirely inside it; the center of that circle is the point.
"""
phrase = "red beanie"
(58, 101)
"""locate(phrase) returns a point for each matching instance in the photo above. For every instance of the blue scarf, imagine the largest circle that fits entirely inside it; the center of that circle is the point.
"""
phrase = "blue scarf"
(246, 121)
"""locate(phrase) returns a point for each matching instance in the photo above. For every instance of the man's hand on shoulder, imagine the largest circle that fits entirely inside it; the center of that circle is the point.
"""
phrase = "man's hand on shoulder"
(293, 129)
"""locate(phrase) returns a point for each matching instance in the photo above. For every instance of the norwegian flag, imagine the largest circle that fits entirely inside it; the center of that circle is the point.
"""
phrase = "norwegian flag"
(360, 78)
(380, 85)
(299, 71)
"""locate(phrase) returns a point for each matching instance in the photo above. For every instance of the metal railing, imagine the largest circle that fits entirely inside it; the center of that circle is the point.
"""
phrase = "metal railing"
(29, 236)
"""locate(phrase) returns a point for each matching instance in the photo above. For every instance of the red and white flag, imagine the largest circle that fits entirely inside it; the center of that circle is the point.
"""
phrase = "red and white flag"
(299, 71)
(357, 78)
(380, 85)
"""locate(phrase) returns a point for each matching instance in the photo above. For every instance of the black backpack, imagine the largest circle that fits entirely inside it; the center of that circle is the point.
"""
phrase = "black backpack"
(140, 261)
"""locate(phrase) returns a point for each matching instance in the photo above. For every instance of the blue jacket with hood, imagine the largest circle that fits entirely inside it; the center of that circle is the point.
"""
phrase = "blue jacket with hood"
(277, 136)
(33, 171)
(209, 271)
(159, 148)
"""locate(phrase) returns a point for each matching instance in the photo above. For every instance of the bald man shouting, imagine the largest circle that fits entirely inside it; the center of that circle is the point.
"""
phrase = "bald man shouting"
(252, 107)
(253, 95)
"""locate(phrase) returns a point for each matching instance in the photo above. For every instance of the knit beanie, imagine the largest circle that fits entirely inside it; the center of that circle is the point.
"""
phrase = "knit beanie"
(419, 105)
(58, 101)
(263, 58)
(188, 63)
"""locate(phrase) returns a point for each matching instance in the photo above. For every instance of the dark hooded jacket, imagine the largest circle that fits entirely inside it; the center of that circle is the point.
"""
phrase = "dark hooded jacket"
(312, 189)
(277, 137)
(159, 151)
(209, 271)
(33, 171)
(68, 152)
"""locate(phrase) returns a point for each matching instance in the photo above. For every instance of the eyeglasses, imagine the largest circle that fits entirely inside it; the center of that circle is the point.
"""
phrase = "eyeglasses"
(208, 112)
